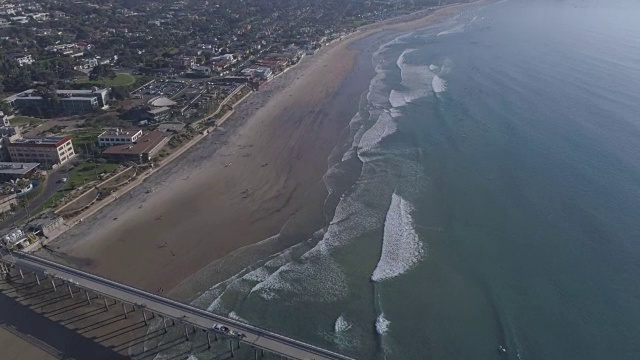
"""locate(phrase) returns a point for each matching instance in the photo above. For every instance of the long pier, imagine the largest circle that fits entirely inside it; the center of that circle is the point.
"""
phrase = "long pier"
(260, 339)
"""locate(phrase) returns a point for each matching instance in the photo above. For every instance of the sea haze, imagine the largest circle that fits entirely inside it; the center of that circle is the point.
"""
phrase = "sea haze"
(488, 196)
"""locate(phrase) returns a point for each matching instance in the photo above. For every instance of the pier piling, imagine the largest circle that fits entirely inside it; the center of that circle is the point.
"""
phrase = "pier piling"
(86, 293)
(37, 278)
(144, 316)
(124, 310)
(21, 274)
(208, 341)
(186, 332)
(231, 347)
(70, 292)
(164, 322)
(106, 306)
(53, 283)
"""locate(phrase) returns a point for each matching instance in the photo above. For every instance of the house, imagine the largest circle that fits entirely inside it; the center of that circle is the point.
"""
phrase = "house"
(21, 59)
(20, 19)
(158, 114)
(118, 137)
(184, 62)
(261, 73)
(200, 71)
(148, 146)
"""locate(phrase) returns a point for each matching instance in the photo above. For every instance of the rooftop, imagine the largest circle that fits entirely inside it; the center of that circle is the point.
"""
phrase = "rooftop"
(119, 132)
(161, 102)
(11, 168)
(144, 145)
(68, 93)
(171, 126)
(158, 110)
(41, 141)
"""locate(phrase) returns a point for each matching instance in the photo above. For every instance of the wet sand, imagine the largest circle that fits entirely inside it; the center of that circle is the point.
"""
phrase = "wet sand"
(241, 184)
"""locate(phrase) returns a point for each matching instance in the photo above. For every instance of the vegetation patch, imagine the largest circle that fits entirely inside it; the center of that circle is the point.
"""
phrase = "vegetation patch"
(119, 80)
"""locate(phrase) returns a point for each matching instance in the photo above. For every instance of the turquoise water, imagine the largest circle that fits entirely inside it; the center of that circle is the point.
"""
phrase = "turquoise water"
(489, 195)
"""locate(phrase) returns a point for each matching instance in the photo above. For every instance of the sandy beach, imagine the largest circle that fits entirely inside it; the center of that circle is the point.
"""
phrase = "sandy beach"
(241, 183)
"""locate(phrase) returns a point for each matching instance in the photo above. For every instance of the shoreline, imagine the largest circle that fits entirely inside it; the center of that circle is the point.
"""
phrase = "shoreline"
(237, 186)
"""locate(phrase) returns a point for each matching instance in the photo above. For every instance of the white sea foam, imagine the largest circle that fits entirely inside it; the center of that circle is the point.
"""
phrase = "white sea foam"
(438, 84)
(341, 324)
(415, 81)
(319, 279)
(401, 247)
(260, 274)
(434, 68)
(233, 315)
(382, 128)
(382, 324)
(456, 30)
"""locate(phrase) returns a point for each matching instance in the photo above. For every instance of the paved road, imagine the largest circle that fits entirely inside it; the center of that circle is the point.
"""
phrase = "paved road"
(186, 314)
(52, 185)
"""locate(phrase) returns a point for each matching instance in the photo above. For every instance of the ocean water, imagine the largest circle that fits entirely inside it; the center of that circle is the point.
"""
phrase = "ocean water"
(489, 195)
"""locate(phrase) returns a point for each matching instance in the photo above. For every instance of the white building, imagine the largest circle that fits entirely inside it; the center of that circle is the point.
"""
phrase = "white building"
(4, 119)
(118, 137)
(21, 59)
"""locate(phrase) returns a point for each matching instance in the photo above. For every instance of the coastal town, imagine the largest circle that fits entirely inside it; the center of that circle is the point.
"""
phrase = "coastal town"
(99, 94)
(151, 149)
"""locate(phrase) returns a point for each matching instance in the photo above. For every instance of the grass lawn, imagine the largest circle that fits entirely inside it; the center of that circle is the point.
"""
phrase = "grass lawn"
(80, 138)
(119, 80)
(51, 201)
(85, 172)
(24, 120)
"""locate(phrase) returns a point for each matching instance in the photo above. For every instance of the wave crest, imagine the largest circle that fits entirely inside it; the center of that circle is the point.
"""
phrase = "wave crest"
(401, 246)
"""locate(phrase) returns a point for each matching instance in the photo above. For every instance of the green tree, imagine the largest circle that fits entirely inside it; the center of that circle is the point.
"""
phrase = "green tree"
(102, 72)
(51, 101)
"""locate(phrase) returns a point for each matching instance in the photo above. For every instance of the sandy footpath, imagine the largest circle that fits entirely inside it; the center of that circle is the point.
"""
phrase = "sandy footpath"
(239, 185)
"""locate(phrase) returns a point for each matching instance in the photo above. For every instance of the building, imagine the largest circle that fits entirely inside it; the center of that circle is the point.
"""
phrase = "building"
(46, 150)
(262, 73)
(4, 119)
(172, 127)
(46, 226)
(21, 59)
(13, 171)
(8, 134)
(148, 146)
(71, 101)
(158, 114)
(118, 137)
(184, 62)
(16, 239)
(200, 71)
(8, 202)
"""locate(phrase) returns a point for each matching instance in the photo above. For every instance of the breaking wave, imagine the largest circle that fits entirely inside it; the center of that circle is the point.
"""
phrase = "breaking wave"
(341, 324)
(415, 81)
(438, 84)
(401, 246)
(382, 324)
(455, 30)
